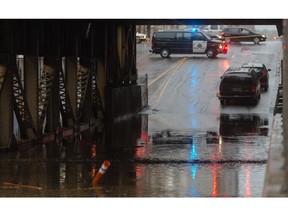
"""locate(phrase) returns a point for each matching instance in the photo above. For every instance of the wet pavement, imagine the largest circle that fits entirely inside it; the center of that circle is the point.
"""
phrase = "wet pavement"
(183, 145)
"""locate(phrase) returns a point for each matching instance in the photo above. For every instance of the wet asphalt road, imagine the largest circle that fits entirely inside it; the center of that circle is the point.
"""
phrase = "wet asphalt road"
(183, 145)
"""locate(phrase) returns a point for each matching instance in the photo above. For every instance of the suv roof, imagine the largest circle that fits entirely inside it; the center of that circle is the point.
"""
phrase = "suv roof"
(251, 64)
(238, 70)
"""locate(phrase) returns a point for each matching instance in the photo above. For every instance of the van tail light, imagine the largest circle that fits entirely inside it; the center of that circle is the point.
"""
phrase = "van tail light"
(253, 89)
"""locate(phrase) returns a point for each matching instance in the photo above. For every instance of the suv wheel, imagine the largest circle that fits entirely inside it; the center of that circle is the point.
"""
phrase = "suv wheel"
(256, 40)
(165, 53)
(256, 100)
(211, 53)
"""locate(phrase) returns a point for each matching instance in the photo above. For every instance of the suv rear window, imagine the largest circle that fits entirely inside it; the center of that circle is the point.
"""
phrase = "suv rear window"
(237, 80)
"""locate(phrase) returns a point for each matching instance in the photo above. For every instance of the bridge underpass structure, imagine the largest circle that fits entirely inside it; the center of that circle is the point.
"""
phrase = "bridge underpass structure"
(59, 77)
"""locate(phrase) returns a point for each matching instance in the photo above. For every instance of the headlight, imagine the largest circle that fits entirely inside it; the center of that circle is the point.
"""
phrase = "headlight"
(263, 36)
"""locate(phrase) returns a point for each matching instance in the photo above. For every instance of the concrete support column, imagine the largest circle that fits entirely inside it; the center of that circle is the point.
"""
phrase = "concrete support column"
(121, 47)
(71, 78)
(87, 109)
(285, 96)
(31, 85)
(6, 106)
(101, 78)
(53, 112)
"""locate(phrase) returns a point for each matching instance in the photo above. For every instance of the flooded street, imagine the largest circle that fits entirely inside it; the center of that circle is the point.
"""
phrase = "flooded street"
(183, 145)
(185, 164)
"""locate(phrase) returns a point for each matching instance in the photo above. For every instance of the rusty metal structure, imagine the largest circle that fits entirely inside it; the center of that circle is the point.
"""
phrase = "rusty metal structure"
(62, 76)
(59, 77)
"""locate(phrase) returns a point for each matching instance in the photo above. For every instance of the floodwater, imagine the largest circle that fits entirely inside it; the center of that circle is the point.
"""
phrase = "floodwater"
(164, 164)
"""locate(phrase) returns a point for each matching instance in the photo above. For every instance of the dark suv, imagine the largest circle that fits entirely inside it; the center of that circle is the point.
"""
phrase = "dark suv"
(261, 71)
(239, 34)
(239, 84)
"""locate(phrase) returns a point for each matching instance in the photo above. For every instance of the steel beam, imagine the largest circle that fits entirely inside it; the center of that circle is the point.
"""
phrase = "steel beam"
(31, 74)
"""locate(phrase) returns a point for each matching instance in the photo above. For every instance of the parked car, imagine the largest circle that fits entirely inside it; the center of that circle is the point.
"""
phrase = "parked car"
(140, 37)
(239, 34)
(170, 42)
(239, 84)
(261, 71)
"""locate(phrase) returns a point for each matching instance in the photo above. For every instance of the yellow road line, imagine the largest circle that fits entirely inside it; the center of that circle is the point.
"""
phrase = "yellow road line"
(248, 36)
(167, 81)
(165, 72)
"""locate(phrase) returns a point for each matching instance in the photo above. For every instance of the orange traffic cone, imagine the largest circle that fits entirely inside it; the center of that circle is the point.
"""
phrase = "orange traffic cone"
(100, 173)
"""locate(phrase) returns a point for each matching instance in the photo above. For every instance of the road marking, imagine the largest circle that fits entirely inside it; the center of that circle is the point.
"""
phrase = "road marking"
(181, 62)
(165, 72)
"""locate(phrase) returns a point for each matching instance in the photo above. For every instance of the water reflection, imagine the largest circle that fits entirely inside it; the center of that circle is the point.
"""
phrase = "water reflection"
(243, 124)
(175, 164)
(67, 170)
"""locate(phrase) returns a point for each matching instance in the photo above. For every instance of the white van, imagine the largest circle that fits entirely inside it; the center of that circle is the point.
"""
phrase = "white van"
(213, 30)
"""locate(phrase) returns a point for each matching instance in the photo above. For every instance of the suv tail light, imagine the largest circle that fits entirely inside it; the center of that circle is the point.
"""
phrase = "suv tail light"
(253, 88)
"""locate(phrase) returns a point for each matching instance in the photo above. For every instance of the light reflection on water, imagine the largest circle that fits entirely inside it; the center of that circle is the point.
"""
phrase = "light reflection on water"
(182, 166)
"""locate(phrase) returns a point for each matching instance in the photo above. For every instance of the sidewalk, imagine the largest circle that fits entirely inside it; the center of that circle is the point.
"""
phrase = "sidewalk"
(274, 185)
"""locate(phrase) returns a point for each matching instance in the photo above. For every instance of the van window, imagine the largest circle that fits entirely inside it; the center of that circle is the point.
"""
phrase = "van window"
(179, 36)
(198, 36)
(165, 36)
(187, 36)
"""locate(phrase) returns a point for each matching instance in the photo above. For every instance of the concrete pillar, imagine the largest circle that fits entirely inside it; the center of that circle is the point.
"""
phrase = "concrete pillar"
(53, 111)
(6, 107)
(87, 109)
(71, 78)
(31, 85)
(285, 95)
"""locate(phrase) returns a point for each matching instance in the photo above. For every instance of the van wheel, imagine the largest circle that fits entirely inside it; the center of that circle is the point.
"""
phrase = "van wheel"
(165, 53)
(211, 53)
(256, 40)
